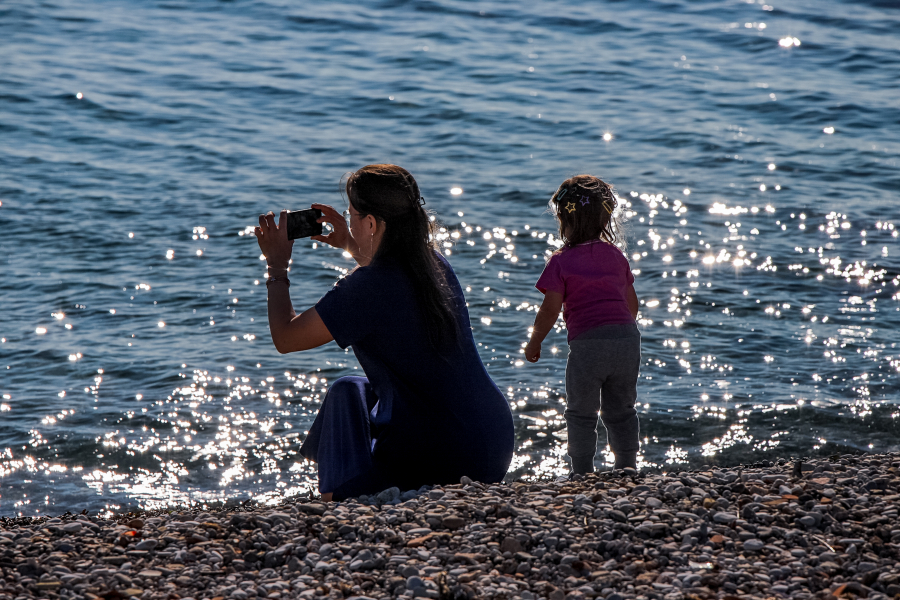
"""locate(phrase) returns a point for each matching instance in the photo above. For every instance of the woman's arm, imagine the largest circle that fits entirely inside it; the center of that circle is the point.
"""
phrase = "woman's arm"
(543, 323)
(632, 300)
(290, 333)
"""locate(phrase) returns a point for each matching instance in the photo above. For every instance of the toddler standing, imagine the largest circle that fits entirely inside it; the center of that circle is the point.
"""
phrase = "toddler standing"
(590, 280)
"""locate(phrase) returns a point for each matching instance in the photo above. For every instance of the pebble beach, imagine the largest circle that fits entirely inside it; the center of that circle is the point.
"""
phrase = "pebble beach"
(824, 528)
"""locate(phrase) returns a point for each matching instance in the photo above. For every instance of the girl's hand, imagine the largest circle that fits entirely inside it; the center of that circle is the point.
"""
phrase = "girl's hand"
(273, 240)
(340, 234)
(533, 351)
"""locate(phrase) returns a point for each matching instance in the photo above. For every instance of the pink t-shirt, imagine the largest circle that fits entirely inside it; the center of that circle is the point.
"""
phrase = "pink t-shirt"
(593, 279)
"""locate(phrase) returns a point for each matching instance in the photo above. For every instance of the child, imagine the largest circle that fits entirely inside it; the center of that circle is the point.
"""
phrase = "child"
(590, 279)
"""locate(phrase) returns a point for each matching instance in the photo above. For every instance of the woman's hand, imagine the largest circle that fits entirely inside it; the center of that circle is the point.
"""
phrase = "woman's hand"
(340, 234)
(273, 240)
(533, 350)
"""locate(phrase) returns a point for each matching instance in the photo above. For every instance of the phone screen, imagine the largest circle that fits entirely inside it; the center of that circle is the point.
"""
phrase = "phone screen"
(302, 223)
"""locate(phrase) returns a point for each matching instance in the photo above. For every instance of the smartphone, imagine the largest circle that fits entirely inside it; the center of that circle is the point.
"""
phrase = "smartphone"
(302, 223)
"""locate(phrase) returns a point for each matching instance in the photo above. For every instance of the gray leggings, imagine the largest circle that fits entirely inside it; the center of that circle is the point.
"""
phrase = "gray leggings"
(601, 379)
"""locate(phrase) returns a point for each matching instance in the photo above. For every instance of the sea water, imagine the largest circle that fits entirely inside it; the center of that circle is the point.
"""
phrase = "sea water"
(754, 148)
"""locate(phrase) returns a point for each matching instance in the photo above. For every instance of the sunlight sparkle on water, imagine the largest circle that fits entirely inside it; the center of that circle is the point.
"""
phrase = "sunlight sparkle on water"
(243, 438)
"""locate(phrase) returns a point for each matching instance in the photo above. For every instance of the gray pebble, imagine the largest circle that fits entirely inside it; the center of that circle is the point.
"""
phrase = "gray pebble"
(724, 518)
(72, 527)
(148, 544)
(409, 571)
(388, 495)
(754, 545)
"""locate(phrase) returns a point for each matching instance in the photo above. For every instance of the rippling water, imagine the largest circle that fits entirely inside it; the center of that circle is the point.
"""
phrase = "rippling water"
(757, 145)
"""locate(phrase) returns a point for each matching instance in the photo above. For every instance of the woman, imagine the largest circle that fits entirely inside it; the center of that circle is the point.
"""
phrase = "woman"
(427, 412)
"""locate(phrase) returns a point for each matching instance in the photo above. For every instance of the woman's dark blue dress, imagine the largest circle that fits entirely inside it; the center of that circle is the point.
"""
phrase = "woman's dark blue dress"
(439, 415)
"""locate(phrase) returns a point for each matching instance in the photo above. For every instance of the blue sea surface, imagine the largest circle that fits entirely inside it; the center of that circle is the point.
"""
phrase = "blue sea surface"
(754, 147)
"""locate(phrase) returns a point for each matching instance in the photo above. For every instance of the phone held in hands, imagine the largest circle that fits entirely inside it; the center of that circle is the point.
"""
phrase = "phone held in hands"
(302, 223)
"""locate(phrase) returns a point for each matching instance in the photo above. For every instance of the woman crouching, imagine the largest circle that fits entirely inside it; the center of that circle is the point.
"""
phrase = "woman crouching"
(427, 412)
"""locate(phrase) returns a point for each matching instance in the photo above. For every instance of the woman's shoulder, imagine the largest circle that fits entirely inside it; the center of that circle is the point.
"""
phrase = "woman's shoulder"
(364, 280)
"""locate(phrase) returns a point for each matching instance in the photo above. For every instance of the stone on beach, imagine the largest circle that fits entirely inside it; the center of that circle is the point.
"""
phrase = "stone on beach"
(825, 530)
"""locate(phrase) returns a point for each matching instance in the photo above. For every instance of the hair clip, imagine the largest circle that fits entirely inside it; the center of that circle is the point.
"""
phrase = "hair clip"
(585, 200)
(559, 195)
(570, 207)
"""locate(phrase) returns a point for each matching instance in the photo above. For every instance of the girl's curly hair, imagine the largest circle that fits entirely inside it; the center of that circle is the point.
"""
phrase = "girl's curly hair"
(585, 207)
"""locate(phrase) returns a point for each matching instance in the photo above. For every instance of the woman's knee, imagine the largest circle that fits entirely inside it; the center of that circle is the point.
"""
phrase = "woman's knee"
(349, 384)
(347, 389)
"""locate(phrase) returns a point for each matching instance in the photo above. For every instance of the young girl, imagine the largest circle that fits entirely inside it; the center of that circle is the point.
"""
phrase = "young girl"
(590, 279)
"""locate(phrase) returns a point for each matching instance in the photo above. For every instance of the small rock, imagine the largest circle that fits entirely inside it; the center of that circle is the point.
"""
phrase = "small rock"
(148, 544)
(414, 582)
(419, 541)
(409, 571)
(465, 480)
(72, 527)
(754, 545)
(280, 516)
(48, 585)
(136, 523)
(313, 508)
(388, 495)
(724, 518)
(131, 592)
(150, 574)
(618, 515)
(453, 522)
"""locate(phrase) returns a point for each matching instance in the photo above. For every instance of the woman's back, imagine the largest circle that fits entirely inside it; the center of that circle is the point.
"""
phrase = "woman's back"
(439, 412)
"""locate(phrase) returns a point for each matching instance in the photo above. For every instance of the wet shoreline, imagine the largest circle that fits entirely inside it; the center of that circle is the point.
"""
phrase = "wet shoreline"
(813, 529)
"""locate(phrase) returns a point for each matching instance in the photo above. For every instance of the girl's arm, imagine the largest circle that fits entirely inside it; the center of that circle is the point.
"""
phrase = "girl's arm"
(543, 323)
(290, 333)
(632, 300)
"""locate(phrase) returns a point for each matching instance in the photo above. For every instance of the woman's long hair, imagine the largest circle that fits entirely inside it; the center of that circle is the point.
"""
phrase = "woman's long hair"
(585, 207)
(391, 195)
